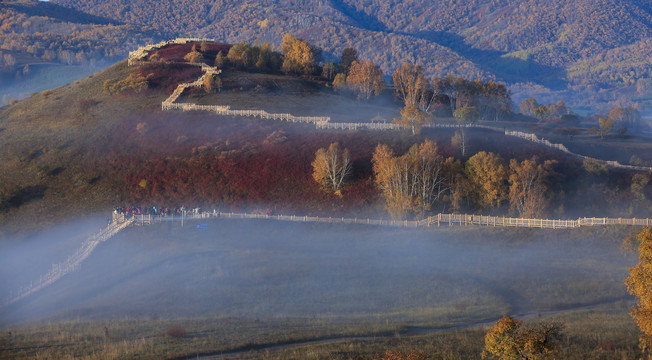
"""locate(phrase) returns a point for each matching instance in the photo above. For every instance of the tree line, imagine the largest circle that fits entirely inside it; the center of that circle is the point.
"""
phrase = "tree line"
(423, 97)
(620, 119)
(28, 39)
(422, 179)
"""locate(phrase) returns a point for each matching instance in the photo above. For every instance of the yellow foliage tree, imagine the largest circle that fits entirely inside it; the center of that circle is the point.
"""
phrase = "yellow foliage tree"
(638, 284)
(299, 56)
(331, 166)
(194, 57)
(412, 118)
(605, 126)
(410, 83)
(365, 78)
(510, 339)
(413, 182)
(487, 175)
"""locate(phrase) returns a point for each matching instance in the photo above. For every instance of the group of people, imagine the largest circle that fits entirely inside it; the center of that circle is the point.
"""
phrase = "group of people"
(154, 210)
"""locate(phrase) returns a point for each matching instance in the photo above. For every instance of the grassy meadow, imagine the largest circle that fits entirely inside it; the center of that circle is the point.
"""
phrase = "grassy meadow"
(265, 289)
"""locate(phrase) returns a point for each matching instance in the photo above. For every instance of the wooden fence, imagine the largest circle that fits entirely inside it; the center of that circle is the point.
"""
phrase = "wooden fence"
(120, 222)
(73, 262)
(323, 122)
(435, 220)
(563, 148)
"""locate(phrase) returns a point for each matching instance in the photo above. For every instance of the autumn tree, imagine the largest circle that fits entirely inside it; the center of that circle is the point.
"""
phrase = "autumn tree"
(637, 188)
(212, 83)
(464, 116)
(410, 83)
(391, 176)
(559, 109)
(429, 181)
(528, 187)
(339, 82)
(366, 79)
(221, 60)
(605, 126)
(331, 166)
(493, 100)
(411, 183)
(240, 55)
(528, 105)
(194, 56)
(510, 339)
(459, 141)
(349, 56)
(625, 118)
(299, 56)
(452, 87)
(328, 71)
(487, 175)
(541, 112)
(638, 284)
(412, 118)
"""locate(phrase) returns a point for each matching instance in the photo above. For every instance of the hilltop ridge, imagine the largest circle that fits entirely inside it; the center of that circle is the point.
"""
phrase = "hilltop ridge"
(519, 41)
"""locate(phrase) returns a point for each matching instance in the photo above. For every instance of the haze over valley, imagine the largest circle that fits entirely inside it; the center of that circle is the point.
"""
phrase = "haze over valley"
(325, 179)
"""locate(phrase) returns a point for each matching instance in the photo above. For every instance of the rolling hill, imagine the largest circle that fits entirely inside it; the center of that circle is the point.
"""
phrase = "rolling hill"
(79, 149)
(519, 41)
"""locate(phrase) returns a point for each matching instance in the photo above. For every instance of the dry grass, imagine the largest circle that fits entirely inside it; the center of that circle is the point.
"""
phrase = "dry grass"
(605, 332)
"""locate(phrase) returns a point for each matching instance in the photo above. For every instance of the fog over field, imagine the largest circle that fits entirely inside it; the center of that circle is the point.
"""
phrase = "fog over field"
(257, 269)
(44, 77)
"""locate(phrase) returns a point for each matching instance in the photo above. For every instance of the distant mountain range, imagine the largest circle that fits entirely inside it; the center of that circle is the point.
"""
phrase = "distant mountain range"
(553, 48)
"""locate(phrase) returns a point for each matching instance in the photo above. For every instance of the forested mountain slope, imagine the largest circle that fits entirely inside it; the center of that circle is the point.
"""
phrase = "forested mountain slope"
(519, 41)
(35, 33)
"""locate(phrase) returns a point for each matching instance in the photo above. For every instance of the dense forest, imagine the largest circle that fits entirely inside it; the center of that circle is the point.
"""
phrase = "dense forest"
(34, 33)
(581, 46)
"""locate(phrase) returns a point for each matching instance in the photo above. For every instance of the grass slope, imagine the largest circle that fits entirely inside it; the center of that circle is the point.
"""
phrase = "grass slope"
(76, 149)
(244, 284)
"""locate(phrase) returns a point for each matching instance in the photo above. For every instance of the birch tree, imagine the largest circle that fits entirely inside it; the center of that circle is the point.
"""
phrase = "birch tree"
(413, 182)
(331, 166)
(528, 188)
(365, 78)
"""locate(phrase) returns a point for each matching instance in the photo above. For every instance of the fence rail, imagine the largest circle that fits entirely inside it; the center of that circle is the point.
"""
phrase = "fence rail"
(73, 262)
(120, 222)
(435, 220)
(563, 148)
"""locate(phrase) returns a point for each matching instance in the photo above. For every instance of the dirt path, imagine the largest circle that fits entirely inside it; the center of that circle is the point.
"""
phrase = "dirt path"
(251, 351)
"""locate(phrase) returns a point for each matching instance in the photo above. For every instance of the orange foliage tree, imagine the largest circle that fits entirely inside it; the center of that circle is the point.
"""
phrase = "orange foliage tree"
(510, 339)
(638, 284)
(487, 175)
(299, 56)
(365, 78)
